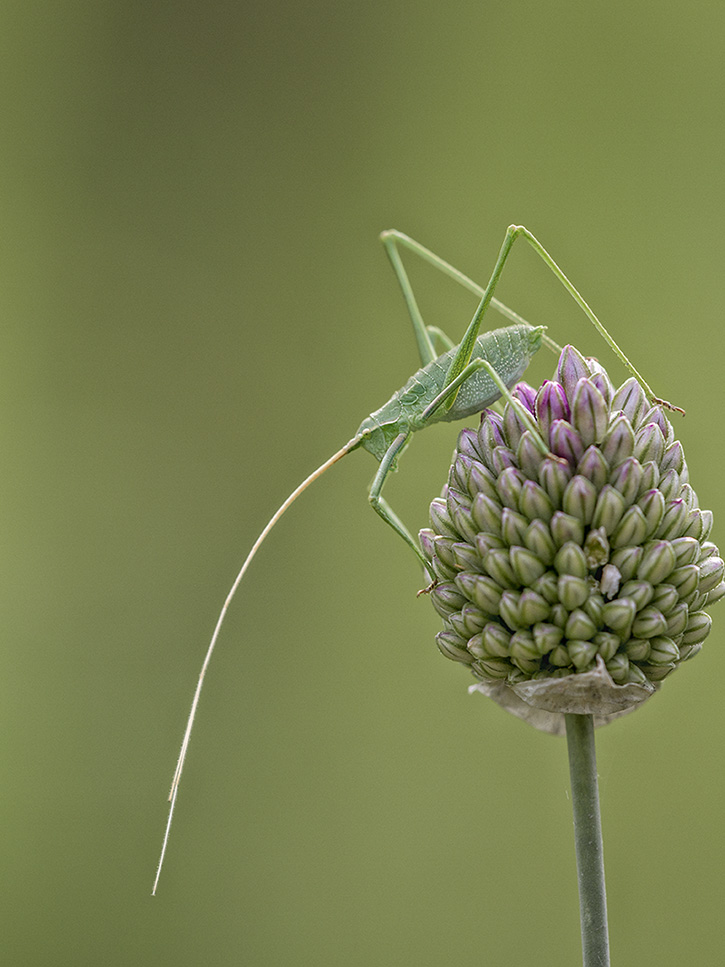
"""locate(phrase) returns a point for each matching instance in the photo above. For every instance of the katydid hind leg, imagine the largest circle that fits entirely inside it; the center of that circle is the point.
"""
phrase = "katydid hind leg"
(425, 344)
(393, 238)
(516, 231)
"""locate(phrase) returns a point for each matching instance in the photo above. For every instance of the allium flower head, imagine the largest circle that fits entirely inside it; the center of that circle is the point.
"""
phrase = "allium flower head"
(577, 581)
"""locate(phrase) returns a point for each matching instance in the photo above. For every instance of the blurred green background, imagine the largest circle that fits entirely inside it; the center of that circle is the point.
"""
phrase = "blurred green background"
(196, 312)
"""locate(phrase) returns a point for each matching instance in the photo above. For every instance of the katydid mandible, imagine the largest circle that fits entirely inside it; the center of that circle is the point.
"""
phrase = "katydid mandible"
(463, 380)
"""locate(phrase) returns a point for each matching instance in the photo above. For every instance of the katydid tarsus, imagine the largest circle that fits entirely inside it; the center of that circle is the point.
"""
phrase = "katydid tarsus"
(464, 379)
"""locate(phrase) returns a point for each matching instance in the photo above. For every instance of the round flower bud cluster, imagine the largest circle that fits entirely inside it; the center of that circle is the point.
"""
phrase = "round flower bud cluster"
(550, 565)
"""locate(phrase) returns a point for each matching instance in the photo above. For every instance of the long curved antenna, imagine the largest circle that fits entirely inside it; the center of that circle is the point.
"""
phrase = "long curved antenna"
(351, 445)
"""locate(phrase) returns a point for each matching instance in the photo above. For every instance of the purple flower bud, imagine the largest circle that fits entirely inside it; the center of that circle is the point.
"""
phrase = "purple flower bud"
(468, 443)
(589, 413)
(594, 467)
(490, 435)
(572, 367)
(670, 485)
(602, 382)
(426, 539)
(551, 404)
(501, 459)
(650, 477)
(514, 426)
(688, 495)
(565, 442)
(597, 551)
(631, 400)
(526, 395)
(673, 458)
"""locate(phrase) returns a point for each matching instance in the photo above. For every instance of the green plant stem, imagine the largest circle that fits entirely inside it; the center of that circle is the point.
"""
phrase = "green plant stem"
(588, 840)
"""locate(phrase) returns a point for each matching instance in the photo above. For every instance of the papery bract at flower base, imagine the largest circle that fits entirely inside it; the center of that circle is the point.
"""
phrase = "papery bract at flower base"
(573, 582)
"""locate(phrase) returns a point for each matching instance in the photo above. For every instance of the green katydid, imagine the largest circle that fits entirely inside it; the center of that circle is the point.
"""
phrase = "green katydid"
(462, 380)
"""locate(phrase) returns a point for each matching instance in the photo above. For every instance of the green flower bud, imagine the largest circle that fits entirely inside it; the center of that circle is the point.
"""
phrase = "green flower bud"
(573, 591)
(570, 559)
(513, 527)
(539, 541)
(526, 565)
(565, 528)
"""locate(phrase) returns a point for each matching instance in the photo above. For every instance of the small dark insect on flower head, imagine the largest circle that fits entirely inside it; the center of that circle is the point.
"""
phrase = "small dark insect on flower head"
(578, 580)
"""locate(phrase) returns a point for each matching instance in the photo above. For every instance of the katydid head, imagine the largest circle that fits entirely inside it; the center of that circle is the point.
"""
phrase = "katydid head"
(376, 437)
